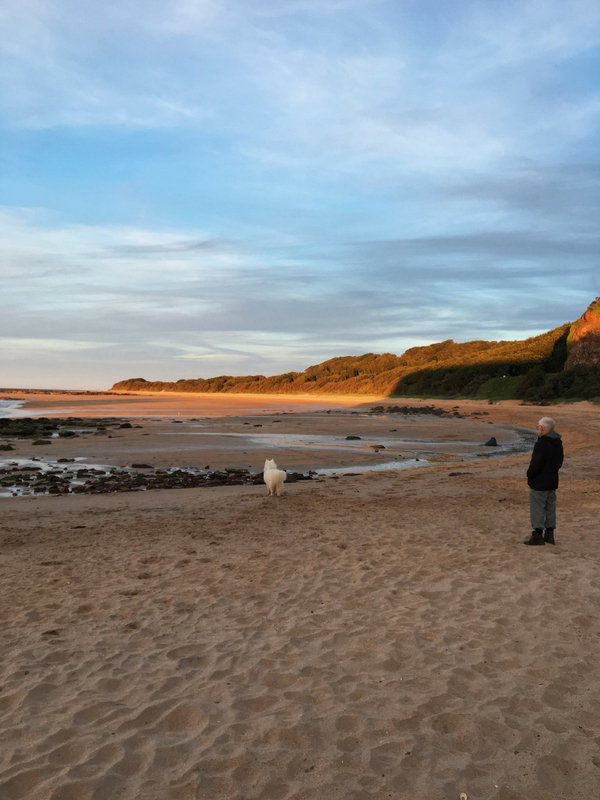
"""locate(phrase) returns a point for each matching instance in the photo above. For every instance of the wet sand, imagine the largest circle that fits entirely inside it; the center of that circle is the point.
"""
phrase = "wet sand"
(299, 441)
(370, 636)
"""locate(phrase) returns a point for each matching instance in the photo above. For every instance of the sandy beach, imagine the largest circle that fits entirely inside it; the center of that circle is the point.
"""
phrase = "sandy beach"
(368, 636)
(134, 404)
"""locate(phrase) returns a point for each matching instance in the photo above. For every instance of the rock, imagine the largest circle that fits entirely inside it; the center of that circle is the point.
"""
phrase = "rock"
(352, 438)
(292, 477)
(41, 441)
(27, 428)
(491, 442)
(6, 447)
(64, 434)
(583, 342)
(126, 425)
(436, 412)
(64, 460)
(90, 480)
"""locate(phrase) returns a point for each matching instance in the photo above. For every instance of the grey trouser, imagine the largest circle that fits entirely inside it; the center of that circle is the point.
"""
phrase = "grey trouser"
(542, 508)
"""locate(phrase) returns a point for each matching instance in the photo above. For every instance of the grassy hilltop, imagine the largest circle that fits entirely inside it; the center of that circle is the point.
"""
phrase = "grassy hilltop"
(531, 369)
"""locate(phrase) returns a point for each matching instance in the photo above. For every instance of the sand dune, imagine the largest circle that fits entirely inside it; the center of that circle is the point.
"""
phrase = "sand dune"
(378, 636)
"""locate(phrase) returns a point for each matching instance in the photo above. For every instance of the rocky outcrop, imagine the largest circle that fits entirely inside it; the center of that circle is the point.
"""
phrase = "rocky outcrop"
(584, 338)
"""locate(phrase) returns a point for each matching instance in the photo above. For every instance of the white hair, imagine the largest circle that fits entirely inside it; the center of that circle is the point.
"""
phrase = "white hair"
(547, 423)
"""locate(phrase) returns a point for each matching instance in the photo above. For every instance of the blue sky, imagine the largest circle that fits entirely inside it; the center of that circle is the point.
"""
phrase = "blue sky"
(205, 187)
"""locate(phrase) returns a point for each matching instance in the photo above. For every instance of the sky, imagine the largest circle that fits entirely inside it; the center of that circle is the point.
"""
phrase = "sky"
(192, 188)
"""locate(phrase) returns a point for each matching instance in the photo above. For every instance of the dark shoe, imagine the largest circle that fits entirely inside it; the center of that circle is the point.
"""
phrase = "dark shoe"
(549, 536)
(537, 537)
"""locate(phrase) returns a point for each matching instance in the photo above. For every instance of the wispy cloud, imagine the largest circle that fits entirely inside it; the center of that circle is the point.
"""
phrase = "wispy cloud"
(47, 345)
(368, 93)
(253, 187)
(211, 307)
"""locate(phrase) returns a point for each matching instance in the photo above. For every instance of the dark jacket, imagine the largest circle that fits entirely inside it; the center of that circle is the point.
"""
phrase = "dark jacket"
(546, 460)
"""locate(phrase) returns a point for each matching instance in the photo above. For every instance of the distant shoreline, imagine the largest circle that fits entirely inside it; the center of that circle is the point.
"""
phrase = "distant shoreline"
(55, 391)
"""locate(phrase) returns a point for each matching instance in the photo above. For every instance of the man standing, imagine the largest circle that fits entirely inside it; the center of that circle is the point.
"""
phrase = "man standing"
(542, 478)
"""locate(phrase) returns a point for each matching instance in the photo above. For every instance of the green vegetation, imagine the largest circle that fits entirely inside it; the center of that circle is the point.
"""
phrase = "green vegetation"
(530, 369)
(579, 383)
(500, 388)
(492, 370)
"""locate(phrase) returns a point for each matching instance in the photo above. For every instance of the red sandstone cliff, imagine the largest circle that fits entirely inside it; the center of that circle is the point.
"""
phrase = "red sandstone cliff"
(584, 338)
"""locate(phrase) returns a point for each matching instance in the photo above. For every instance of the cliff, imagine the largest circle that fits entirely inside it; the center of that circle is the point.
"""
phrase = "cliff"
(583, 342)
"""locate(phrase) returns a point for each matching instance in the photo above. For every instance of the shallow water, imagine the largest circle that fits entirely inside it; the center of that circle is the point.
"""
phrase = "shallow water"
(46, 465)
(419, 457)
(391, 446)
(13, 410)
(9, 409)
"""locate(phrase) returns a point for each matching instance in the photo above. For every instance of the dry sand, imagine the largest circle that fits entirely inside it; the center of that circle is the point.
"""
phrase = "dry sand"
(167, 403)
(378, 636)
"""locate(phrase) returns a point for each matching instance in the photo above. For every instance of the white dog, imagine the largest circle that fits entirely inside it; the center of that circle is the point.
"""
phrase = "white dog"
(273, 477)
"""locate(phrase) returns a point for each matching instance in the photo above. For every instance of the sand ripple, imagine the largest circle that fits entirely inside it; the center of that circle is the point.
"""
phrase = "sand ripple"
(384, 638)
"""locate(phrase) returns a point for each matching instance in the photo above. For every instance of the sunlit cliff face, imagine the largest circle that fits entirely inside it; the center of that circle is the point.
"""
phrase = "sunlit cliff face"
(584, 338)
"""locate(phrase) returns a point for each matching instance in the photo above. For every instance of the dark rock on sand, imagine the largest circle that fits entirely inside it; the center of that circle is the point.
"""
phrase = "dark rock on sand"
(90, 480)
(292, 477)
(429, 410)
